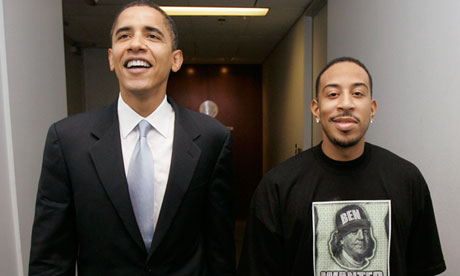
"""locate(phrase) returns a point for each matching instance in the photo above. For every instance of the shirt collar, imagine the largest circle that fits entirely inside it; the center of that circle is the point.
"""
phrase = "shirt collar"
(160, 119)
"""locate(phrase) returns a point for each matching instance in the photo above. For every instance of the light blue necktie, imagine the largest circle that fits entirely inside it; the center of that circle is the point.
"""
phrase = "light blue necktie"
(140, 182)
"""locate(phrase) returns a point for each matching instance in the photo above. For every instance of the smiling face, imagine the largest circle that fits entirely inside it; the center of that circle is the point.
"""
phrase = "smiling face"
(344, 105)
(142, 54)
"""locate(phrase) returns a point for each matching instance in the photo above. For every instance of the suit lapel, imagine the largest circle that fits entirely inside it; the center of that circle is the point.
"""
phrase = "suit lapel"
(108, 160)
(185, 156)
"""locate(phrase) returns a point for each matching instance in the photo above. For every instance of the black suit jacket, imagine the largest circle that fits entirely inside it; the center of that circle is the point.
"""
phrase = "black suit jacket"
(84, 214)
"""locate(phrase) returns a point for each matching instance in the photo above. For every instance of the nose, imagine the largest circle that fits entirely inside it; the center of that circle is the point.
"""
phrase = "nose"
(346, 101)
(360, 234)
(136, 43)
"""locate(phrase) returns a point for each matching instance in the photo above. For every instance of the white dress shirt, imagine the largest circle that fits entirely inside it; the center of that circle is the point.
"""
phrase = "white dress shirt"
(160, 140)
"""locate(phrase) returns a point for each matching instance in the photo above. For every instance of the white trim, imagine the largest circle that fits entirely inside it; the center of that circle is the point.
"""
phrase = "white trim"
(9, 143)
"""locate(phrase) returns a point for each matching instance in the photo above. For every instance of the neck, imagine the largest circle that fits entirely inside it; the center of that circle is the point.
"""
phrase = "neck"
(338, 153)
(143, 103)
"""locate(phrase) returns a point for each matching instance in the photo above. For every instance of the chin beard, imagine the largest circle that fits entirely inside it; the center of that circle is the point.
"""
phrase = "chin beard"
(344, 143)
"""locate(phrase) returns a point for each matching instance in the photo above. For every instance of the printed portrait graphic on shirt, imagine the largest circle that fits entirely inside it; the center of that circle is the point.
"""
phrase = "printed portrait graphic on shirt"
(351, 238)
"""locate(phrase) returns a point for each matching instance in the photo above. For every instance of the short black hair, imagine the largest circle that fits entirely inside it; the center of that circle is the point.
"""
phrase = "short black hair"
(339, 60)
(148, 3)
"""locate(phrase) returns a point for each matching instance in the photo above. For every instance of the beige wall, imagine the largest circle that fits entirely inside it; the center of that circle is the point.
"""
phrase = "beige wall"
(33, 96)
(286, 75)
(319, 60)
(10, 243)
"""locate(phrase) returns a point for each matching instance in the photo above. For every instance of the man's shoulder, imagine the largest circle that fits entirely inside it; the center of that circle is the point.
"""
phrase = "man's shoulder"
(291, 169)
(204, 120)
(394, 166)
(390, 159)
(88, 120)
(285, 183)
(204, 123)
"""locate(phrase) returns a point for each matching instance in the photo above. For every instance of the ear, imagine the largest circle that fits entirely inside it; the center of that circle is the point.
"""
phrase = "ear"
(374, 107)
(314, 107)
(110, 57)
(178, 59)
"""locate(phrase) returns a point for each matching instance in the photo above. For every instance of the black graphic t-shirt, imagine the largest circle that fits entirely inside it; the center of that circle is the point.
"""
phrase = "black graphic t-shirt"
(280, 235)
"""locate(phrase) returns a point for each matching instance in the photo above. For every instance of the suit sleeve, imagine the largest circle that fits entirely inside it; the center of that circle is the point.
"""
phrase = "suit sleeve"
(262, 253)
(220, 245)
(54, 244)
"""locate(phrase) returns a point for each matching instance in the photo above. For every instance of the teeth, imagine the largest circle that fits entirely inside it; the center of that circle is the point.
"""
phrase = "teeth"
(138, 63)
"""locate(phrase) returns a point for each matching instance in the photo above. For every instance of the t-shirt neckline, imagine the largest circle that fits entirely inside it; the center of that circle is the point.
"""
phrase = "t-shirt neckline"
(343, 166)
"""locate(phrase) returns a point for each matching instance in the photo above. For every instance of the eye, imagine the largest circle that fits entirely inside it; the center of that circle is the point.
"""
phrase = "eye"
(358, 93)
(153, 36)
(122, 36)
(332, 94)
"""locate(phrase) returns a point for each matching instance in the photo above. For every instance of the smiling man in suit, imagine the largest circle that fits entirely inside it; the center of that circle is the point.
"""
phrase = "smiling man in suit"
(143, 186)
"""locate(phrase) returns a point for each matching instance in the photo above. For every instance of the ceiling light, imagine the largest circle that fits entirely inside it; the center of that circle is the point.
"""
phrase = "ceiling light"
(214, 11)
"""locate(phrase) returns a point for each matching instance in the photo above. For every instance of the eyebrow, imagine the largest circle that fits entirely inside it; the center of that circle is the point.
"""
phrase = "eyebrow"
(361, 84)
(153, 29)
(122, 29)
(335, 85)
(147, 28)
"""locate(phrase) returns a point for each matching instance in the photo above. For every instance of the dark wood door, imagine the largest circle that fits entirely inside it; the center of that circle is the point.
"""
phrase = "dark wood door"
(237, 91)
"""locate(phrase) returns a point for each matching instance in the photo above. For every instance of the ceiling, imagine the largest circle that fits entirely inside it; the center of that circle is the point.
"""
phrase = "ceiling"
(241, 40)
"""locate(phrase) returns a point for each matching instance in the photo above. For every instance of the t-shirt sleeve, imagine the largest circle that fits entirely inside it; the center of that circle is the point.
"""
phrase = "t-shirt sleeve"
(424, 254)
(262, 252)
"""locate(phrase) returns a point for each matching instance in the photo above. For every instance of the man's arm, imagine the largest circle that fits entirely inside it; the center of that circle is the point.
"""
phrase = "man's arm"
(424, 254)
(54, 245)
(262, 253)
(220, 223)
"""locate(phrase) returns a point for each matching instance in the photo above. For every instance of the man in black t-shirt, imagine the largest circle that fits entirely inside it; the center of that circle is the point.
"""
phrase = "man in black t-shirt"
(295, 225)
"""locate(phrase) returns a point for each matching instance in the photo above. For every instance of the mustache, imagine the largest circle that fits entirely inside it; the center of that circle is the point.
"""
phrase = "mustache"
(344, 114)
